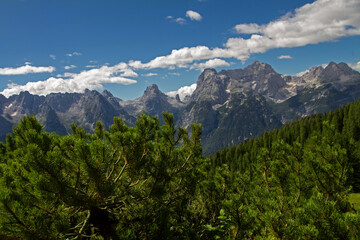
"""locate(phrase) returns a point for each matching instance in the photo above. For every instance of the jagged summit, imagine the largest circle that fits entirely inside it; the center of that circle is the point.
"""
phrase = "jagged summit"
(337, 69)
(232, 105)
(107, 94)
(152, 90)
(313, 73)
(208, 72)
(257, 66)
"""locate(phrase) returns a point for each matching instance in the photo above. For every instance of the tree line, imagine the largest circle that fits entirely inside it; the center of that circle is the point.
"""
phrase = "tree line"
(151, 181)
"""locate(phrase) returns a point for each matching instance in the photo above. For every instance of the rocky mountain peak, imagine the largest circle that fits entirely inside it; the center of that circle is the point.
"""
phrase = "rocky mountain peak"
(313, 73)
(91, 93)
(152, 90)
(257, 67)
(23, 96)
(341, 68)
(107, 94)
(332, 68)
(339, 74)
(211, 86)
(207, 73)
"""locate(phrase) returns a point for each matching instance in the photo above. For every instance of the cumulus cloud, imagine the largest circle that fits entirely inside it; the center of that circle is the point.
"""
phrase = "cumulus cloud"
(183, 91)
(52, 56)
(212, 63)
(66, 75)
(181, 57)
(129, 73)
(355, 66)
(73, 54)
(316, 22)
(180, 20)
(27, 69)
(248, 28)
(320, 21)
(285, 57)
(69, 67)
(150, 74)
(89, 79)
(194, 16)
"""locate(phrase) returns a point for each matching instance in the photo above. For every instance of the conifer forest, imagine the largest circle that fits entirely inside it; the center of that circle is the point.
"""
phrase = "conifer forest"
(151, 181)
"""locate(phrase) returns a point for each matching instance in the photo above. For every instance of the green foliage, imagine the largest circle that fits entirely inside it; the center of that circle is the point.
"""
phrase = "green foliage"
(151, 182)
(291, 183)
(125, 183)
(354, 199)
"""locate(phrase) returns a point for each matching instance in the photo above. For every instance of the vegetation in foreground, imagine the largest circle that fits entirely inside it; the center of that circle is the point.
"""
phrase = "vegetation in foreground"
(152, 182)
(354, 199)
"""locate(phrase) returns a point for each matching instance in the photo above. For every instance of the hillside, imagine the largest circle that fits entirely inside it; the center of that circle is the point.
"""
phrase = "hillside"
(152, 182)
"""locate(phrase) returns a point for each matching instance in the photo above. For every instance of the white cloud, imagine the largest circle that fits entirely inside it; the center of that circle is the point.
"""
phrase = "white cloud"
(73, 54)
(66, 75)
(129, 73)
(90, 66)
(27, 63)
(183, 91)
(27, 69)
(190, 14)
(150, 74)
(212, 63)
(320, 21)
(180, 20)
(194, 16)
(355, 66)
(174, 73)
(52, 56)
(285, 57)
(247, 28)
(181, 58)
(69, 67)
(71, 82)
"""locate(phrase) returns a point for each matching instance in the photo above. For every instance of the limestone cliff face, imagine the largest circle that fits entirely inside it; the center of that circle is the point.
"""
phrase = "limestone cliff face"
(231, 105)
(234, 105)
(152, 102)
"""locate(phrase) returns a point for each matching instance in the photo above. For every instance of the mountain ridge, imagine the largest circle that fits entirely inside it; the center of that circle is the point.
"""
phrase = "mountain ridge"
(232, 105)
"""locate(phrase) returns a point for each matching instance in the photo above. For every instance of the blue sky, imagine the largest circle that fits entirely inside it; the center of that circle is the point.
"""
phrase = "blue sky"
(123, 46)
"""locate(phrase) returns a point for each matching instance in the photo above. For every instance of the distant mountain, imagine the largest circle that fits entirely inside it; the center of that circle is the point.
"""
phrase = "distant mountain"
(153, 102)
(232, 105)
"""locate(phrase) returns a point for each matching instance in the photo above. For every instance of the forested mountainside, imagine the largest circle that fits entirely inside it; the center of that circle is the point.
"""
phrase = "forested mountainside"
(341, 126)
(151, 181)
(231, 105)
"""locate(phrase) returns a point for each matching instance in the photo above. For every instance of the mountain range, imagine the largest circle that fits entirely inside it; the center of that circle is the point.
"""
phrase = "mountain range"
(232, 105)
